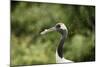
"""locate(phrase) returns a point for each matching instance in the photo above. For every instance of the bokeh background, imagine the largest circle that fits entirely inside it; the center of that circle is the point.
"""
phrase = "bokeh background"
(28, 19)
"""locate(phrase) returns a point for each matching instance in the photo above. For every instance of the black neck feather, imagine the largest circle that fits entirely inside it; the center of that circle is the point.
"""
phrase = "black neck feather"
(60, 46)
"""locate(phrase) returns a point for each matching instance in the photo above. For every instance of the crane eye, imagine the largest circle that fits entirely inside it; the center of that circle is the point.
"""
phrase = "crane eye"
(58, 26)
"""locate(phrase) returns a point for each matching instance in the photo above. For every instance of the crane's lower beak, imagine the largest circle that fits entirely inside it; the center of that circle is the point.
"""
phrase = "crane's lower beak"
(48, 30)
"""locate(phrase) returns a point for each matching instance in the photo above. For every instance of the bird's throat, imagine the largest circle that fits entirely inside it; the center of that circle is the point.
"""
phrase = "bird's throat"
(60, 46)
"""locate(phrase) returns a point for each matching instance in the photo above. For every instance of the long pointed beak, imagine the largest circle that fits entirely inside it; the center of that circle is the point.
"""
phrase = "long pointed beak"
(48, 30)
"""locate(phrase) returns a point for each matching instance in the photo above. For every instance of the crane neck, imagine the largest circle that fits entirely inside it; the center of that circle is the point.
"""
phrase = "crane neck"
(61, 44)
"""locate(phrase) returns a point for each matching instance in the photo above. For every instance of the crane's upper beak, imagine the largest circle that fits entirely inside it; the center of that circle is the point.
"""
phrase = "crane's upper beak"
(48, 30)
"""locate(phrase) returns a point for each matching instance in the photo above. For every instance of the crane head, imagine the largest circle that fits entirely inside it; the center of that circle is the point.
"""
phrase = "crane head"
(59, 27)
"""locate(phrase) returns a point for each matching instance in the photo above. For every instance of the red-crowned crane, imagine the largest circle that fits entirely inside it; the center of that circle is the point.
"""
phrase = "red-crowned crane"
(62, 29)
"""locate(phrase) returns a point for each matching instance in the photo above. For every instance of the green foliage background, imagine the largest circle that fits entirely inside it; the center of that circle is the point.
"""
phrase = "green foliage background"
(28, 19)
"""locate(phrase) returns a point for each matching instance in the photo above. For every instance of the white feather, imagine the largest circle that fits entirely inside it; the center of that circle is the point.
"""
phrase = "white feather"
(61, 60)
(63, 27)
